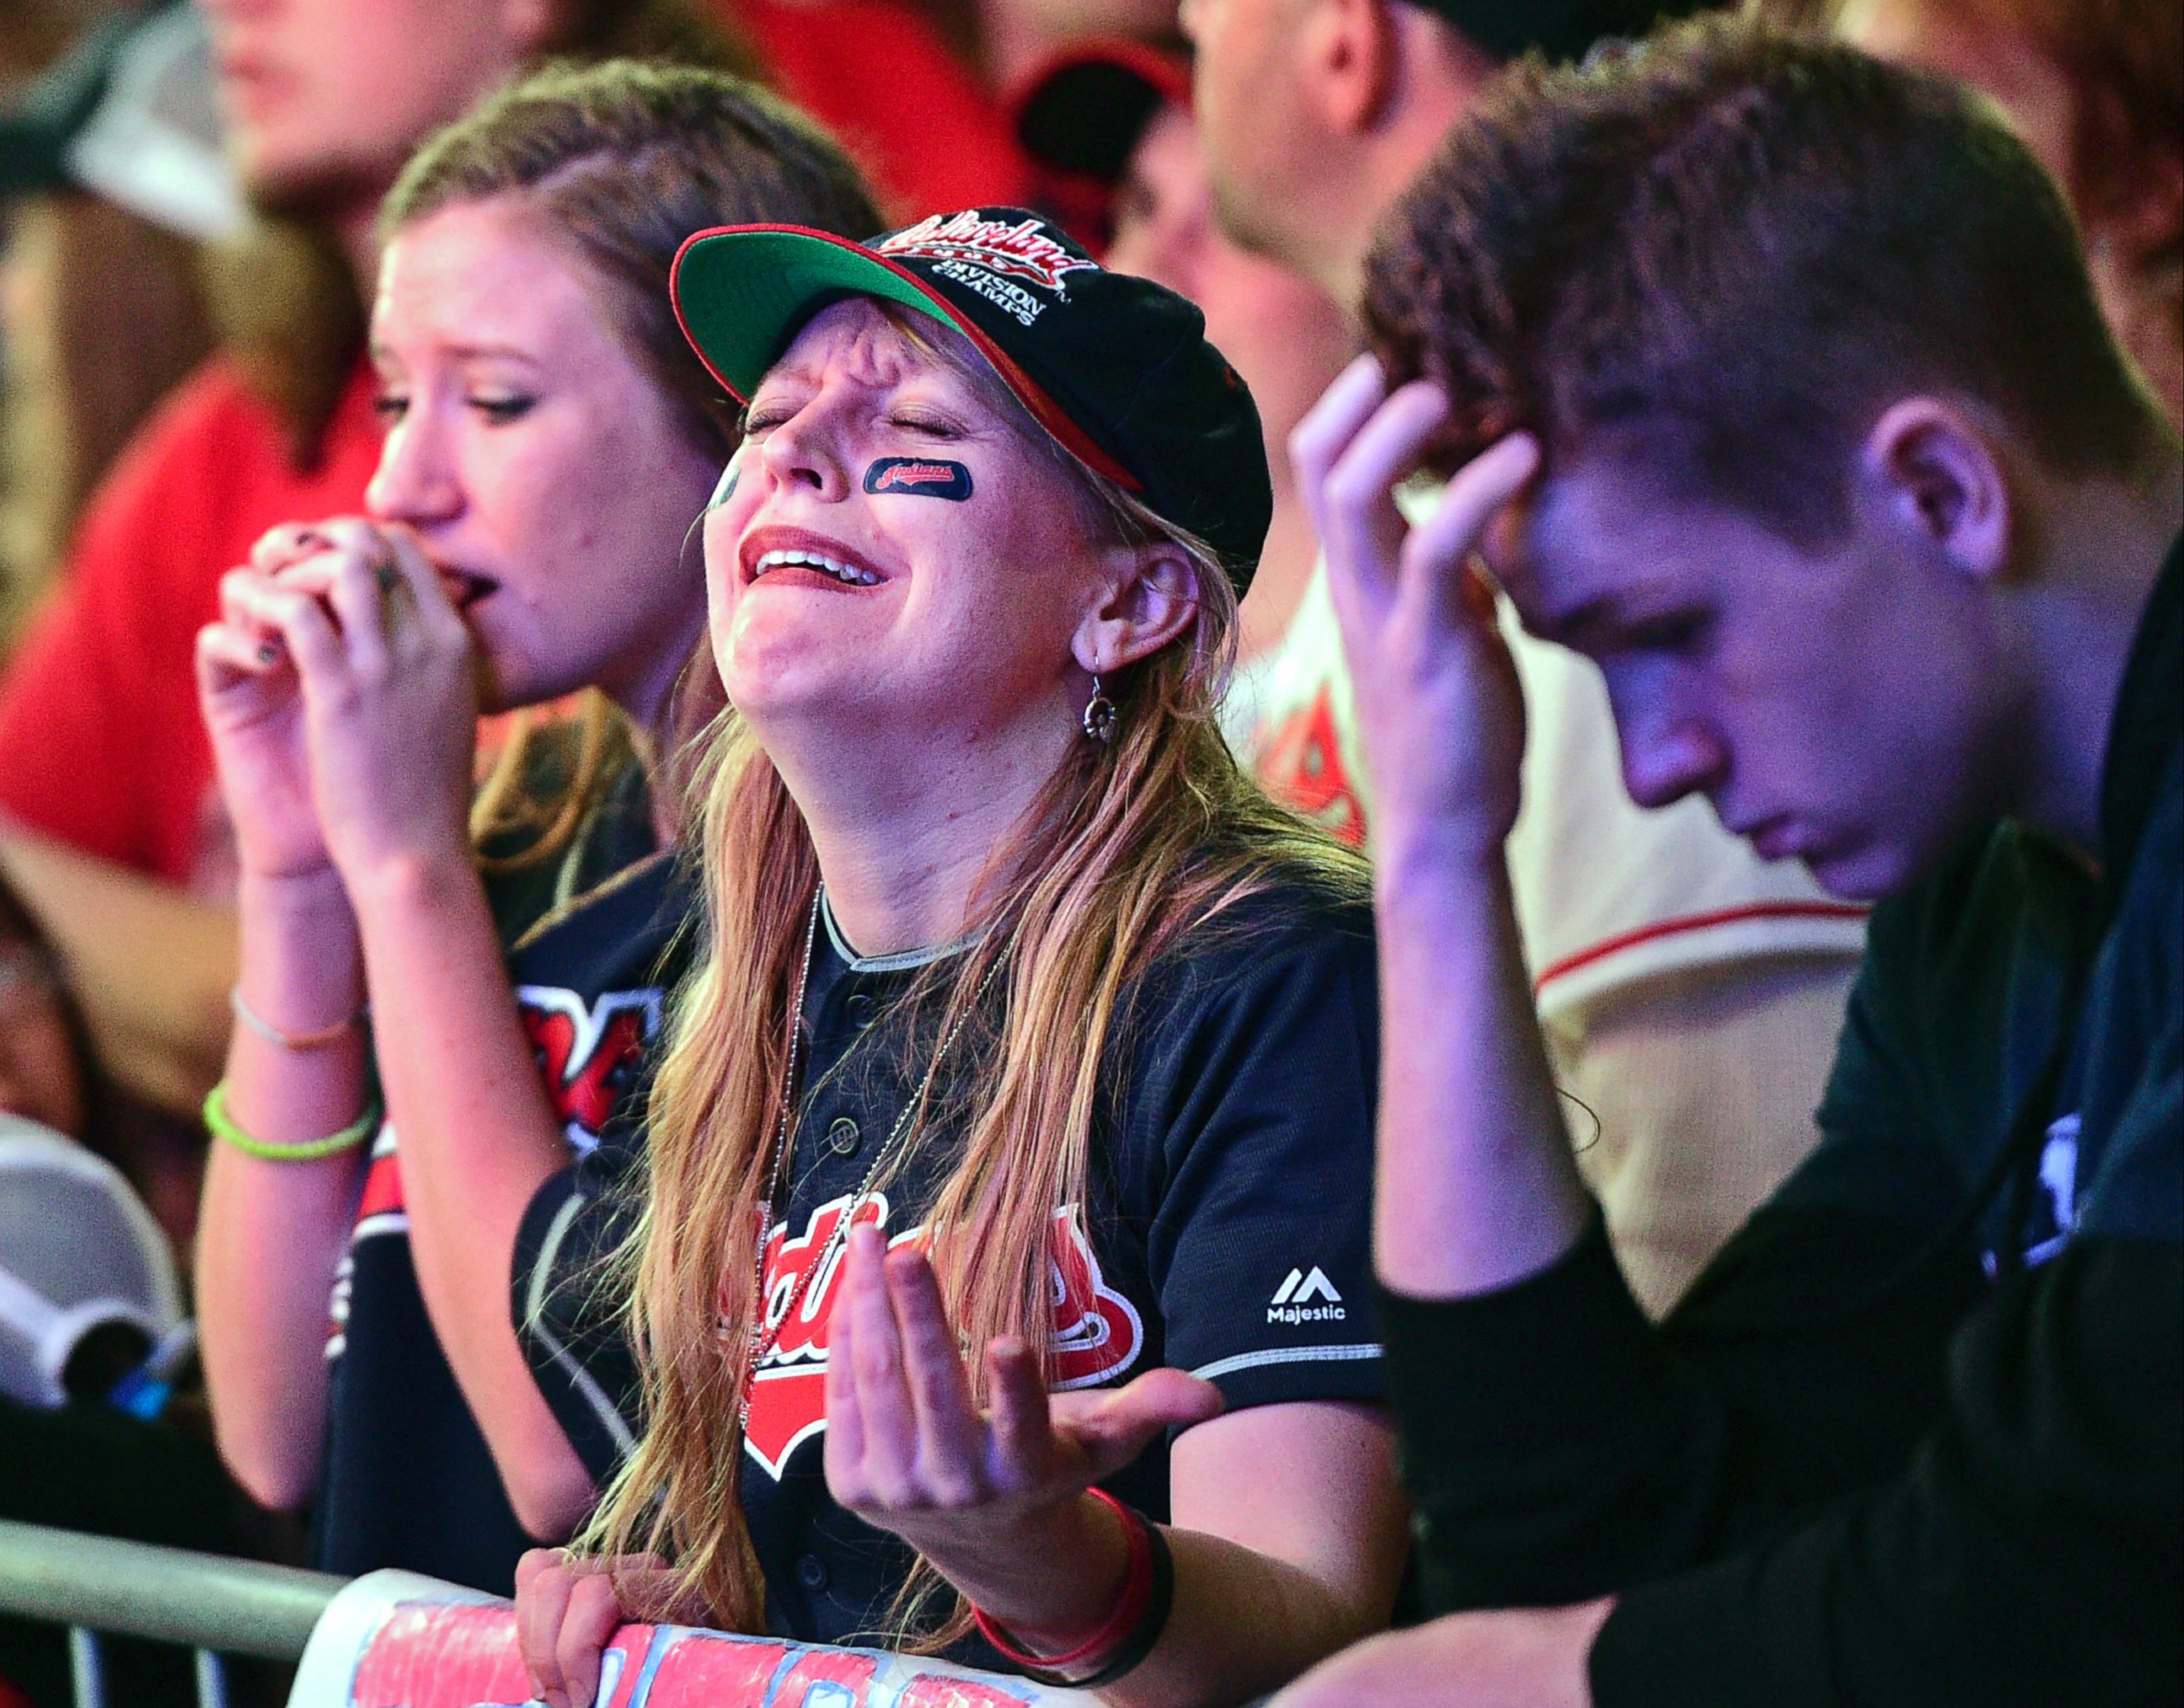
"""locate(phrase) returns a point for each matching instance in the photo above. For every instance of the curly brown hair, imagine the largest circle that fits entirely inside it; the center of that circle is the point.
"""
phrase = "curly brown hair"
(1732, 245)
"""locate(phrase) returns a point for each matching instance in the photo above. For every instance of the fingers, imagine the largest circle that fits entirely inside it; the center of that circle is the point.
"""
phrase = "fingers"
(566, 1610)
(1332, 422)
(361, 605)
(595, 1615)
(544, 1584)
(887, 1413)
(1120, 1424)
(1477, 493)
(290, 542)
(903, 1434)
(1434, 575)
(1351, 450)
(226, 654)
(951, 1437)
(845, 1421)
(289, 620)
(1022, 1415)
(421, 582)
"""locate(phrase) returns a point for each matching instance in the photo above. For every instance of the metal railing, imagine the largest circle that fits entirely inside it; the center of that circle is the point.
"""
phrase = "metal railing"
(95, 1585)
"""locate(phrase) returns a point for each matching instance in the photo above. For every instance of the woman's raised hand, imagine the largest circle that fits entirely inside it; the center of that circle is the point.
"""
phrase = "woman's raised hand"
(993, 1499)
(567, 1607)
(358, 628)
(1440, 714)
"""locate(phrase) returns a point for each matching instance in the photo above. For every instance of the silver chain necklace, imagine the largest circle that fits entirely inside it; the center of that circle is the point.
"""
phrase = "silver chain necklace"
(765, 1328)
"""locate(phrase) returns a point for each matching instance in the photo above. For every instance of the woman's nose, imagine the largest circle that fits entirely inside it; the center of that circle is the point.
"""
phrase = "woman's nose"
(415, 481)
(808, 452)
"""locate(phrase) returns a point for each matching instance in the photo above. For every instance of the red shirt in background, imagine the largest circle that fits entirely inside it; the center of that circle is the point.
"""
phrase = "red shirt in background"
(101, 745)
(100, 742)
(913, 114)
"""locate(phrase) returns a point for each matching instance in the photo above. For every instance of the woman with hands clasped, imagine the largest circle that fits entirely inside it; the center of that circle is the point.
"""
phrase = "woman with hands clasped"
(1002, 1286)
(549, 443)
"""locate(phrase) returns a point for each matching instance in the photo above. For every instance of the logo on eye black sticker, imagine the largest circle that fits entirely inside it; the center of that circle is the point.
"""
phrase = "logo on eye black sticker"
(927, 477)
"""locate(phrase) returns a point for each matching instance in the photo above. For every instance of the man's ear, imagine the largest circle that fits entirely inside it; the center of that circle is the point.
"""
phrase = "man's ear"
(1150, 600)
(1940, 480)
(1349, 50)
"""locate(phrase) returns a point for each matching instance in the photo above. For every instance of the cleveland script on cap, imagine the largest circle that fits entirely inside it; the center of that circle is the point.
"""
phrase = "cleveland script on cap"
(1116, 368)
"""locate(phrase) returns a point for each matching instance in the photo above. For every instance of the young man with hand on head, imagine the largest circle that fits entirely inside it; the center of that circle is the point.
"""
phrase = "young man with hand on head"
(1779, 388)
(1690, 990)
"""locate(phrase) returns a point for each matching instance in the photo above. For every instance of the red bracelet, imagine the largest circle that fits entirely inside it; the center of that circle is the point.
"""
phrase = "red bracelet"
(1137, 1592)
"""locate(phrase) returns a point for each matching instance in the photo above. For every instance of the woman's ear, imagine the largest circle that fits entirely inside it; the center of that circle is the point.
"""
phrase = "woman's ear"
(1152, 599)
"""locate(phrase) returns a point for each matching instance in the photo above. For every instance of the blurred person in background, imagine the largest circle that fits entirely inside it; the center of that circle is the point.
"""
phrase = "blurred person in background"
(2096, 88)
(904, 92)
(1115, 116)
(1691, 991)
(109, 820)
(144, 1469)
(551, 443)
(111, 172)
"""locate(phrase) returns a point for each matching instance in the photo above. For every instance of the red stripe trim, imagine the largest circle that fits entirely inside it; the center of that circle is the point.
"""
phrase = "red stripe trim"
(1044, 410)
(1694, 922)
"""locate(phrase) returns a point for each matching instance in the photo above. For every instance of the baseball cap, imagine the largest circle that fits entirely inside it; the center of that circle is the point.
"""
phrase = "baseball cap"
(129, 113)
(1116, 368)
(87, 1289)
(1559, 29)
(1085, 110)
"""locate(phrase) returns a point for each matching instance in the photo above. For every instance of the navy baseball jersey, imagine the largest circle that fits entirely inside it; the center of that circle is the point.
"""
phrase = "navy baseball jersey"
(1226, 1230)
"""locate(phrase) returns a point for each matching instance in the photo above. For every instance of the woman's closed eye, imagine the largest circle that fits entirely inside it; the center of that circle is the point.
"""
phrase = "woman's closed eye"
(925, 423)
(500, 408)
(390, 406)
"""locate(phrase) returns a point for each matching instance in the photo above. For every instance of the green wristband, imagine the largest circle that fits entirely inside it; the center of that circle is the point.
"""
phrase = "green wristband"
(221, 1125)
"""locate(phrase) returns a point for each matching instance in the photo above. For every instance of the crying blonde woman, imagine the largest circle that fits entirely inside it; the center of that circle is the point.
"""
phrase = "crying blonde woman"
(996, 1263)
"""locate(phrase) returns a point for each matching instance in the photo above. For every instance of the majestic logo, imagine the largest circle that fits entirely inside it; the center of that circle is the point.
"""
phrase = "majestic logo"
(1097, 1333)
(926, 476)
(1307, 1298)
(588, 1054)
(1022, 251)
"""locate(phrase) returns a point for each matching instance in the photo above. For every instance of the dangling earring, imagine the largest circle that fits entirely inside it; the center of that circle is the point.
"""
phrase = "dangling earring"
(1099, 714)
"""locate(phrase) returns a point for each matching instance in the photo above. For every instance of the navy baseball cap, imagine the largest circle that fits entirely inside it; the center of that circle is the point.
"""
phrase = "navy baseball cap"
(1084, 110)
(1559, 29)
(1116, 368)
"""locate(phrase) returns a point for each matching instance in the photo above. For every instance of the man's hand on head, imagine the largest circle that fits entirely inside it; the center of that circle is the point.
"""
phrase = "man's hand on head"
(1440, 714)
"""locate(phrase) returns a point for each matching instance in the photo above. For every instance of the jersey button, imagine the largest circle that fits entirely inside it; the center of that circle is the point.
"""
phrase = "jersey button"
(811, 1572)
(862, 1007)
(843, 1138)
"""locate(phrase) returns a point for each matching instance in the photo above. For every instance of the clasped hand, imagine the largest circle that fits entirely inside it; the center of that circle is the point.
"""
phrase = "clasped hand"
(338, 688)
(1440, 714)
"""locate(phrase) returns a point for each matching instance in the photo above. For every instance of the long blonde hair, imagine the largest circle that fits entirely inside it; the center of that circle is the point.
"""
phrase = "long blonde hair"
(1130, 845)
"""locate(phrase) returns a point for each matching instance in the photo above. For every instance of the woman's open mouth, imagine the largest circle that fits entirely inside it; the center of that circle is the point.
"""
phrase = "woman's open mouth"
(849, 574)
(772, 553)
(463, 588)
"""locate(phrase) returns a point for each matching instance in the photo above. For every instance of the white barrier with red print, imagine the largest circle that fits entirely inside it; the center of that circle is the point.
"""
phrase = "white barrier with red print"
(393, 1639)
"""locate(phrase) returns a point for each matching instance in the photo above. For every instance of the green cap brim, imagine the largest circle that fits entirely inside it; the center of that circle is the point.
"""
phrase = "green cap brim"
(742, 293)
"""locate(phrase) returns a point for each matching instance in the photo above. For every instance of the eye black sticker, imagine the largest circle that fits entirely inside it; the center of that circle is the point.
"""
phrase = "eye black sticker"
(725, 488)
(926, 476)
